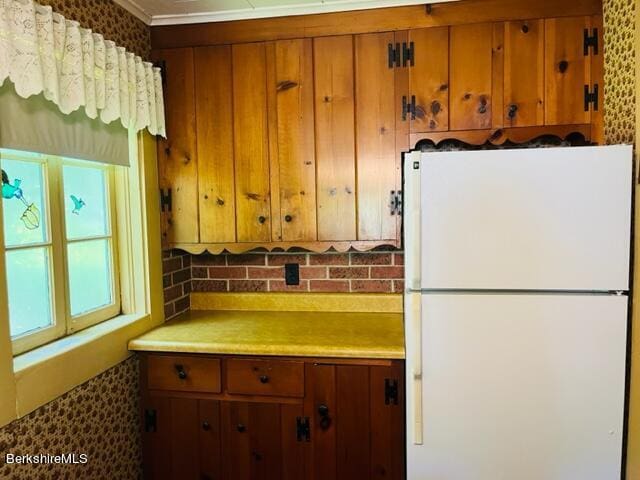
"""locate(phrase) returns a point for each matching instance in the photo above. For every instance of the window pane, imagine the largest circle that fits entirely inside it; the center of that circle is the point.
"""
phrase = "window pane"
(29, 290)
(23, 203)
(89, 275)
(85, 202)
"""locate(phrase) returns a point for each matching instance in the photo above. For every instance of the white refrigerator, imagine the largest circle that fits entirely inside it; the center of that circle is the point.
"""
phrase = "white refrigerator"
(517, 278)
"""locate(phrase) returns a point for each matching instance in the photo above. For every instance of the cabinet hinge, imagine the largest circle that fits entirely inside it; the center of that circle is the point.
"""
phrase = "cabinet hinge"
(408, 108)
(390, 391)
(162, 65)
(396, 202)
(303, 429)
(165, 199)
(590, 41)
(150, 424)
(591, 98)
(394, 55)
(408, 54)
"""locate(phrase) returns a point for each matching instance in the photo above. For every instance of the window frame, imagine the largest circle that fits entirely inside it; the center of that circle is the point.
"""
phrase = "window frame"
(63, 323)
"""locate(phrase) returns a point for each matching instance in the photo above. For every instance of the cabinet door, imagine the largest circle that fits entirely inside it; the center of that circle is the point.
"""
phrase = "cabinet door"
(357, 422)
(291, 82)
(177, 161)
(471, 76)
(378, 166)
(182, 442)
(335, 137)
(214, 115)
(260, 441)
(524, 73)
(568, 71)
(429, 79)
(250, 141)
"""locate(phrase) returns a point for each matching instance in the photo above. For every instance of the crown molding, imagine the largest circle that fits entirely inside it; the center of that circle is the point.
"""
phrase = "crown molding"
(279, 11)
(135, 9)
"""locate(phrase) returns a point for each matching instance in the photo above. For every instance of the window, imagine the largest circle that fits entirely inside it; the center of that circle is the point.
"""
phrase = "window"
(60, 248)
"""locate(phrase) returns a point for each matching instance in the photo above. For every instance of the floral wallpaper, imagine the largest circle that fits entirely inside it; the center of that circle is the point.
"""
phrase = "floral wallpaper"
(111, 20)
(98, 418)
(619, 71)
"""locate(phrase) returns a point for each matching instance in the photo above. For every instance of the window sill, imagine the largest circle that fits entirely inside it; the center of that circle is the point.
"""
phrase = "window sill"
(45, 373)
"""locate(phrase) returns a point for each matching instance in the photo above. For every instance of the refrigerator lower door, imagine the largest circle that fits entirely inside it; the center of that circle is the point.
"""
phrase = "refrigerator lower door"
(526, 387)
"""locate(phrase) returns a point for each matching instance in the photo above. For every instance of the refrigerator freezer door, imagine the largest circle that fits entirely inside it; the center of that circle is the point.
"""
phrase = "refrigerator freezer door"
(526, 219)
(525, 387)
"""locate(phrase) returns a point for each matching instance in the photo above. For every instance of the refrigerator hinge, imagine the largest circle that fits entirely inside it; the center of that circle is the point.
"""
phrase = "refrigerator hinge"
(390, 391)
(396, 202)
(617, 293)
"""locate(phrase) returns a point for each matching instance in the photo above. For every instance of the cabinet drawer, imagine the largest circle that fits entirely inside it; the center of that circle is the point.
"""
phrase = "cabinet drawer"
(183, 373)
(265, 377)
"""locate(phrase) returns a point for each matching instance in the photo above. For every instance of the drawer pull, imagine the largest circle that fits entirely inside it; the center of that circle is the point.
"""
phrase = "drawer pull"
(325, 419)
(206, 426)
(264, 379)
(182, 375)
(241, 428)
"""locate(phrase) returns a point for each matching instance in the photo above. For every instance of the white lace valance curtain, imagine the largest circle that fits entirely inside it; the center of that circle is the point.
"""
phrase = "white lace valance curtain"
(42, 52)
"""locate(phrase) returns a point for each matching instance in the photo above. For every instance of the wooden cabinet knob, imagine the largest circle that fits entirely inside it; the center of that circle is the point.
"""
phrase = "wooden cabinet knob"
(206, 426)
(264, 379)
(182, 375)
(241, 428)
(513, 109)
(262, 219)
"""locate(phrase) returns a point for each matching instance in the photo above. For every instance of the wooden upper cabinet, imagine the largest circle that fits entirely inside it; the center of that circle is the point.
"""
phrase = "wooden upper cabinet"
(378, 166)
(568, 70)
(250, 140)
(290, 80)
(523, 73)
(177, 154)
(471, 76)
(214, 113)
(429, 79)
(335, 137)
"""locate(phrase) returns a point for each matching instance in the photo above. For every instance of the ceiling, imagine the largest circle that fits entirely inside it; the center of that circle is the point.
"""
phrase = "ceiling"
(169, 12)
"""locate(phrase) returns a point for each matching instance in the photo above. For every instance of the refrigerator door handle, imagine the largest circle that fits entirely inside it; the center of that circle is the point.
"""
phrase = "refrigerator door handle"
(416, 366)
(412, 213)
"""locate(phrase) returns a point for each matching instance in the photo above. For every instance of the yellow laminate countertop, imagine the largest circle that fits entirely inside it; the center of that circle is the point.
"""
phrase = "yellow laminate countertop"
(306, 334)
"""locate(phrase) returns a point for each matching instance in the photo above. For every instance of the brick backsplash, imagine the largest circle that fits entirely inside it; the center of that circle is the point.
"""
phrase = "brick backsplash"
(327, 272)
(176, 281)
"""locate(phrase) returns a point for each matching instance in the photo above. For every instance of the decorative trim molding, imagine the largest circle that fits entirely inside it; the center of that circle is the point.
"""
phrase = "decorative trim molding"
(315, 247)
(263, 12)
(135, 9)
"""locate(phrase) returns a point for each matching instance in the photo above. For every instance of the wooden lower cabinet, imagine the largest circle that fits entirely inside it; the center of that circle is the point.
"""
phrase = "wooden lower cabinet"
(349, 424)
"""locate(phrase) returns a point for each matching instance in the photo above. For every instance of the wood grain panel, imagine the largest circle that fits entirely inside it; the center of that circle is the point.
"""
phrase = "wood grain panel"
(266, 444)
(356, 22)
(524, 73)
(353, 454)
(470, 76)
(387, 424)
(236, 442)
(429, 79)
(567, 70)
(335, 137)
(295, 136)
(497, 80)
(251, 150)
(214, 115)
(293, 451)
(177, 160)
(375, 137)
(210, 437)
(184, 439)
(321, 390)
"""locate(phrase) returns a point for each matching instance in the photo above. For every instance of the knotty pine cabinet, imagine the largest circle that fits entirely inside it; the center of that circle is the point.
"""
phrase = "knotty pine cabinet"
(246, 418)
(298, 142)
